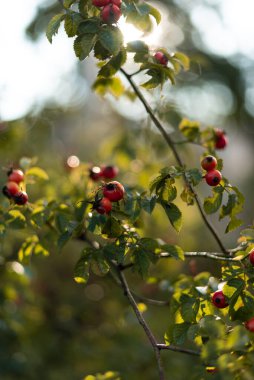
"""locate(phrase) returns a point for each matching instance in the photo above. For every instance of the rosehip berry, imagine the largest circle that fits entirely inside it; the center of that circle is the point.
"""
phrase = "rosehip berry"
(102, 206)
(100, 3)
(211, 369)
(16, 175)
(221, 140)
(114, 191)
(21, 198)
(251, 257)
(250, 324)
(110, 14)
(161, 58)
(109, 172)
(11, 189)
(219, 300)
(213, 177)
(95, 173)
(209, 163)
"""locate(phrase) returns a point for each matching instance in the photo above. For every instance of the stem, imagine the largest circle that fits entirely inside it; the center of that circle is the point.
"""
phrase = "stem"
(142, 321)
(171, 145)
(178, 349)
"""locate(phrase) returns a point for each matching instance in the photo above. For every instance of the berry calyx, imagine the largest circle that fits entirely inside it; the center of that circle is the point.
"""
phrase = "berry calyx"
(249, 325)
(11, 189)
(114, 191)
(251, 257)
(100, 3)
(95, 173)
(16, 175)
(110, 14)
(209, 163)
(109, 172)
(221, 140)
(213, 177)
(219, 300)
(161, 58)
(102, 206)
(21, 198)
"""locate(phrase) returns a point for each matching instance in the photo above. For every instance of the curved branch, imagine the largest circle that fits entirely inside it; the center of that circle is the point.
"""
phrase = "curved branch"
(171, 145)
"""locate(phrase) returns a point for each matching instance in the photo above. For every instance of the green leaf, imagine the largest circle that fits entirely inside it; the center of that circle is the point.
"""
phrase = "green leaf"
(112, 85)
(83, 45)
(68, 3)
(38, 173)
(148, 204)
(183, 59)
(112, 228)
(137, 47)
(71, 23)
(31, 246)
(155, 13)
(212, 204)
(141, 261)
(54, 25)
(180, 331)
(174, 215)
(15, 219)
(81, 271)
(189, 308)
(187, 196)
(111, 39)
(227, 209)
(194, 176)
(113, 65)
(90, 26)
(173, 250)
(190, 129)
(233, 224)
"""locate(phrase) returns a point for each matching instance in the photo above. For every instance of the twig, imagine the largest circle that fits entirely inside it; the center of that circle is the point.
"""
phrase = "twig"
(178, 349)
(171, 145)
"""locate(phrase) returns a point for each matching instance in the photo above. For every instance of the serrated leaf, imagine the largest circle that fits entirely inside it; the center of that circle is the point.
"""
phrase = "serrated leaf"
(83, 45)
(71, 23)
(15, 219)
(190, 129)
(173, 250)
(174, 215)
(180, 331)
(233, 224)
(112, 228)
(212, 204)
(89, 26)
(189, 308)
(112, 85)
(148, 204)
(113, 65)
(111, 39)
(81, 271)
(141, 262)
(194, 176)
(37, 173)
(54, 25)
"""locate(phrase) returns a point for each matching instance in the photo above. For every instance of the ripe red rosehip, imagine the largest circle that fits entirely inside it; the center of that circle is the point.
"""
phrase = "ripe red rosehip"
(109, 172)
(221, 140)
(100, 3)
(209, 163)
(250, 324)
(110, 14)
(95, 173)
(102, 206)
(161, 58)
(16, 175)
(11, 189)
(251, 257)
(114, 191)
(21, 198)
(219, 300)
(213, 177)
(211, 369)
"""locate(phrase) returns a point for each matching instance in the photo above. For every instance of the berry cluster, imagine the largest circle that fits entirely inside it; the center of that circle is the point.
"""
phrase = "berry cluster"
(103, 172)
(112, 192)
(111, 11)
(12, 188)
(213, 176)
(161, 58)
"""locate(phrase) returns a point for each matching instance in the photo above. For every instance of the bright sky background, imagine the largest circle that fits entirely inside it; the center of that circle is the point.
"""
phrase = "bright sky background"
(31, 72)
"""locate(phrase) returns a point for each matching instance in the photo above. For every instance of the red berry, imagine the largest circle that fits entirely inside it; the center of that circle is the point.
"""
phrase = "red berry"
(12, 188)
(211, 369)
(251, 257)
(161, 58)
(213, 177)
(250, 324)
(21, 198)
(221, 140)
(109, 172)
(95, 173)
(100, 3)
(116, 2)
(209, 163)
(219, 300)
(114, 191)
(102, 206)
(16, 175)
(110, 14)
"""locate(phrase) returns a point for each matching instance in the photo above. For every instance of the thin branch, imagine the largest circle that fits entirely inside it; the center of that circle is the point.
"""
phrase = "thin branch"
(171, 145)
(150, 301)
(178, 349)
(142, 321)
